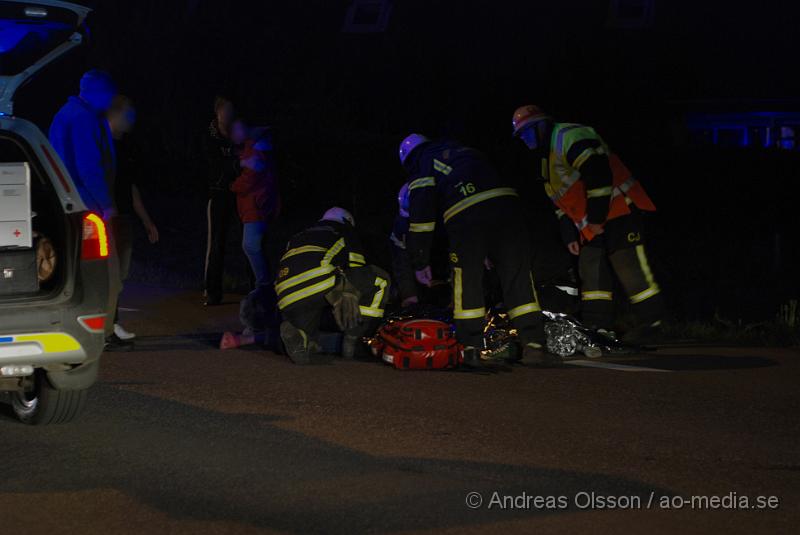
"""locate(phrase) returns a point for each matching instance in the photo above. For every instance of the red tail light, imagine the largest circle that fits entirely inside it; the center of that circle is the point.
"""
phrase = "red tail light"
(93, 324)
(95, 238)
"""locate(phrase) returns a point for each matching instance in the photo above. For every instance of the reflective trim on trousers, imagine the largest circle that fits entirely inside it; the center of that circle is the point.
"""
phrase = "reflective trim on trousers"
(652, 288)
(597, 295)
(459, 312)
(422, 227)
(524, 309)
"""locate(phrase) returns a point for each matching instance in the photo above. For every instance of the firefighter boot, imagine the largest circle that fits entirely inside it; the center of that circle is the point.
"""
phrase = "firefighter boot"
(472, 357)
(353, 346)
(298, 347)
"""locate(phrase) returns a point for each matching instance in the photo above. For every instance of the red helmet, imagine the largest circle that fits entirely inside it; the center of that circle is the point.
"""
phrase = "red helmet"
(526, 115)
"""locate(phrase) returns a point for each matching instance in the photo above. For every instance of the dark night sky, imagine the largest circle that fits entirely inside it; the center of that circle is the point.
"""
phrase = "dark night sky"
(341, 102)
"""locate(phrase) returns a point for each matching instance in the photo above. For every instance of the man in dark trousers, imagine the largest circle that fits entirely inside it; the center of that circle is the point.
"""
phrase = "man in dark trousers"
(324, 267)
(484, 221)
(222, 167)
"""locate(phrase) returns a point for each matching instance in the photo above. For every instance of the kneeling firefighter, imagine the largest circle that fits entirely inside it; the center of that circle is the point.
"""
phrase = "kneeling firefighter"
(324, 267)
(483, 220)
(599, 204)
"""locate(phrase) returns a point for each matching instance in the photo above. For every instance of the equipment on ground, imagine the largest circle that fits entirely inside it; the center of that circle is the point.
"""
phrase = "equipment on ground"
(417, 344)
(15, 205)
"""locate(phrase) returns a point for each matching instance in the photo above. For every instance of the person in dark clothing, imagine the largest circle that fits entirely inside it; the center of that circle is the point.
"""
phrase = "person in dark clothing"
(222, 167)
(121, 119)
(484, 221)
(324, 267)
(408, 291)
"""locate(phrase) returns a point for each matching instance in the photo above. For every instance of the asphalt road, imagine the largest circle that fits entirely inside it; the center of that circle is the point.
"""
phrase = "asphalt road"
(180, 437)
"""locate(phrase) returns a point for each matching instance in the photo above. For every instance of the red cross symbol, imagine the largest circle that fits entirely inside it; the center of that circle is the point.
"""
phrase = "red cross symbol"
(17, 233)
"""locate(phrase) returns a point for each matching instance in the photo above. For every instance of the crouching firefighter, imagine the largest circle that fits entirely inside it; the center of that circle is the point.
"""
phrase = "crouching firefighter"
(599, 204)
(483, 220)
(324, 268)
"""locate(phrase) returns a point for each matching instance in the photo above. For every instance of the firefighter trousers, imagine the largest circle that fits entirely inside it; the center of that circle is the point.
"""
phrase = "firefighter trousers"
(493, 230)
(373, 285)
(618, 251)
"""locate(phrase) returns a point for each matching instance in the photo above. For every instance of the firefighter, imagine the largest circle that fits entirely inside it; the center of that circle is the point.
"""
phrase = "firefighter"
(599, 204)
(404, 282)
(483, 221)
(324, 267)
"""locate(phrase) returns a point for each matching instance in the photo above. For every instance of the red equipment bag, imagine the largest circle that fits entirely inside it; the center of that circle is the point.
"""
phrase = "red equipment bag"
(417, 344)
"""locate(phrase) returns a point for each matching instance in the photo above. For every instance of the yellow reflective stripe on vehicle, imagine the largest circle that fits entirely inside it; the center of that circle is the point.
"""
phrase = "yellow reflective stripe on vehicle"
(599, 192)
(303, 249)
(306, 292)
(333, 251)
(524, 309)
(51, 342)
(371, 312)
(356, 258)
(459, 312)
(597, 296)
(472, 200)
(422, 227)
(652, 288)
(303, 277)
(424, 182)
(442, 167)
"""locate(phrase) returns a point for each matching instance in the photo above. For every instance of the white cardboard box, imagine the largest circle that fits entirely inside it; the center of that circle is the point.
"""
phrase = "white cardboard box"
(15, 205)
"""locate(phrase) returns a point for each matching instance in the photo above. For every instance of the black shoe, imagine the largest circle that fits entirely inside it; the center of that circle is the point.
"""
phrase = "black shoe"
(115, 343)
(354, 348)
(534, 354)
(644, 334)
(299, 348)
(472, 358)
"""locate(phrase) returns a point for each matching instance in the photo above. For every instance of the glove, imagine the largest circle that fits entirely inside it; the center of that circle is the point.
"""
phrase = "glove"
(344, 297)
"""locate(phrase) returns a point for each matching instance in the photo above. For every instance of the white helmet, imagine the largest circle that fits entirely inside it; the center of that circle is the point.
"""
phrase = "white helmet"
(340, 215)
(411, 142)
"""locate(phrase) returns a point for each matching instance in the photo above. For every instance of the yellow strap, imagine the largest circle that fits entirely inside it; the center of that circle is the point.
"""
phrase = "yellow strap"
(303, 277)
(524, 309)
(422, 227)
(424, 182)
(303, 249)
(357, 259)
(472, 200)
(306, 292)
(597, 295)
(599, 192)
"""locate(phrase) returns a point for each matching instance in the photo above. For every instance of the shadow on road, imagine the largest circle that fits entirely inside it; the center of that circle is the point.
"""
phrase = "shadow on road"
(696, 362)
(204, 465)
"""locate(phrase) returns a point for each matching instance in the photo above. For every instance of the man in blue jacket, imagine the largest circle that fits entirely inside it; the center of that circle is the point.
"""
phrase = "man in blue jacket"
(80, 135)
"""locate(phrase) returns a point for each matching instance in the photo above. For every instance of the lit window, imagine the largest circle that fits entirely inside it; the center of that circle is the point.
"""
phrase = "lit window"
(367, 16)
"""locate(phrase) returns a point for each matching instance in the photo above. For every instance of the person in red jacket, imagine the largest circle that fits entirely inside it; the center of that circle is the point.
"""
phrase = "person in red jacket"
(256, 192)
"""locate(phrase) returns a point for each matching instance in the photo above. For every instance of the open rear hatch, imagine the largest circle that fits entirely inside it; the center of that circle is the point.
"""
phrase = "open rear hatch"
(33, 35)
(37, 236)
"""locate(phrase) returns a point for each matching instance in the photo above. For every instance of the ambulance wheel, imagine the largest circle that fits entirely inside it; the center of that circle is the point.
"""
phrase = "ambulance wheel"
(44, 405)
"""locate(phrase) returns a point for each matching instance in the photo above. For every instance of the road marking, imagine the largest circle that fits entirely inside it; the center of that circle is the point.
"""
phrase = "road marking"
(123, 309)
(613, 366)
